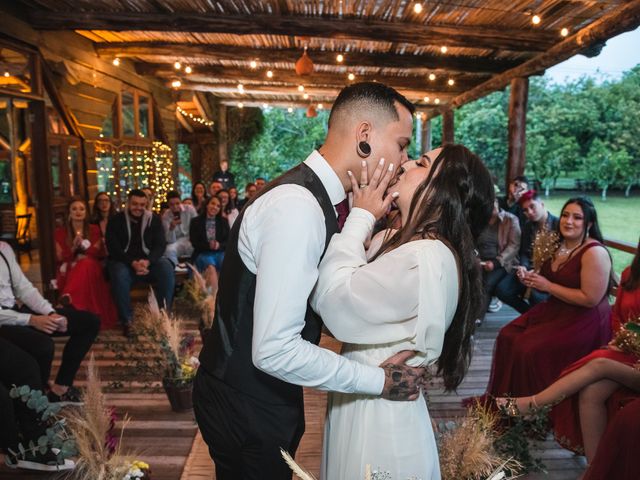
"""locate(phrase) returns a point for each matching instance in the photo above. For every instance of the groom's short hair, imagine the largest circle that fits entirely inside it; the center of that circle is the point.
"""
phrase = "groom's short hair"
(373, 97)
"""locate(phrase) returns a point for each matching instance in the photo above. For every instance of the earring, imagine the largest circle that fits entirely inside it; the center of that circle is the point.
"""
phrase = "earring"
(363, 149)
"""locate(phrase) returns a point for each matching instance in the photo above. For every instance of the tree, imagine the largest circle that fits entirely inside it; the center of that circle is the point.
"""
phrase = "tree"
(606, 165)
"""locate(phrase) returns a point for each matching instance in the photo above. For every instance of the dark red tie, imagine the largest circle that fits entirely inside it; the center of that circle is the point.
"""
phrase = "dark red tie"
(343, 211)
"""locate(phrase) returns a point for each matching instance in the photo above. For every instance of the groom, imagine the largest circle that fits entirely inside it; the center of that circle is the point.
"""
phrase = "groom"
(263, 345)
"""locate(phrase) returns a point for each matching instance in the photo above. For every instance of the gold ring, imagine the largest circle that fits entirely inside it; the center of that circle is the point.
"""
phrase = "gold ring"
(362, 185)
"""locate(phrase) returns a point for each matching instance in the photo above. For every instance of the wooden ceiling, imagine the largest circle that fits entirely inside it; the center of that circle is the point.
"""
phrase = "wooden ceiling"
(487, 42)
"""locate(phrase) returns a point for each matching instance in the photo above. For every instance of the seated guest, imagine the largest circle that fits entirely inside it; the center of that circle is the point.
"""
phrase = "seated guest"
(249, 192)
(509, 203)
(510, 290)
(224, 176)
(214, 188)
(208, 233)
(617, 454)
(20, 424)
(233, 197)
(150, 194)
(176, 221)
(260, 183)
(136, 244)
(30, 327)
(103, 210)
(80, 275)
(199, 196)
(532, 350)
(592, 390)
(498, 246)
(227, 209)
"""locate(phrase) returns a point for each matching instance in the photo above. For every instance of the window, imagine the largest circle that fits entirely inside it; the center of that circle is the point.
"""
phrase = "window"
(15, 70)
(143, 116)
(128, 115)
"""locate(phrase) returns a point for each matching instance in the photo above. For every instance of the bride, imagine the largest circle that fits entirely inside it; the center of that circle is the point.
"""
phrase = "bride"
(405, 298)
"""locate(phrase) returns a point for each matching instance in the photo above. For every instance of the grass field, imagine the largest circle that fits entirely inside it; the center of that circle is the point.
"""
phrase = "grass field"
(619, 219)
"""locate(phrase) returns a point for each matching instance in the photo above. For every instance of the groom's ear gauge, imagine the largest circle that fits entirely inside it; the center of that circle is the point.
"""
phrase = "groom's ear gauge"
(363, 149)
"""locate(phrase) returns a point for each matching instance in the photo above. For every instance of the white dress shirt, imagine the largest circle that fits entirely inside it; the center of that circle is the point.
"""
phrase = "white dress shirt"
(281, 240)
(22, 290)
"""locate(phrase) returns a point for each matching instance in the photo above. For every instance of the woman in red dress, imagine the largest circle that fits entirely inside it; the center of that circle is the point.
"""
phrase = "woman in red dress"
(80, 277)
(594, 388)
(532, 350)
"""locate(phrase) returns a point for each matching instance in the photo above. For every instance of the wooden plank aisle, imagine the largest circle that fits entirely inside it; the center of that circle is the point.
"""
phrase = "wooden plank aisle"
(561, 464)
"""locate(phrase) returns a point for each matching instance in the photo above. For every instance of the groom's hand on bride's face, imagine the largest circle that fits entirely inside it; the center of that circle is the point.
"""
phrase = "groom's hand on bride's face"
(401, 382)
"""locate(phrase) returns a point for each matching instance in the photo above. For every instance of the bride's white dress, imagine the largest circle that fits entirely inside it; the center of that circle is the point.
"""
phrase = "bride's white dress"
(404, 300)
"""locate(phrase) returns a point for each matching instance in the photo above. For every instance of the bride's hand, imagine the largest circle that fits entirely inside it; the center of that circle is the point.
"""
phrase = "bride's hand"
(369, 194)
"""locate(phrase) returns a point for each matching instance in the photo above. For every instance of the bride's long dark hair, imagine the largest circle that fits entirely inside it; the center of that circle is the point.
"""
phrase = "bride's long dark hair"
(454, 205)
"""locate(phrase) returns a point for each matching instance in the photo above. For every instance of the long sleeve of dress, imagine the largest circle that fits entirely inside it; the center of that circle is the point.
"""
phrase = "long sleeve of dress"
(408, 294)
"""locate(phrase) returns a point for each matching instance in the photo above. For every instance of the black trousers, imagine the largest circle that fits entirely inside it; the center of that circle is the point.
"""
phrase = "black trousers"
(245, 435)
(82, 330)
(18, 368)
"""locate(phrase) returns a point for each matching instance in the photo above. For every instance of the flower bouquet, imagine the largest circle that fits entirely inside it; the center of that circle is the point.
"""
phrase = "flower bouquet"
(627, 338)
(545, 245)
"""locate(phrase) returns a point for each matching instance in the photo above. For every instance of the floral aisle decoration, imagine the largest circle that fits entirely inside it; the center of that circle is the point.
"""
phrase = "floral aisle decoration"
(202, 296)
(98, 447)
(545, 244)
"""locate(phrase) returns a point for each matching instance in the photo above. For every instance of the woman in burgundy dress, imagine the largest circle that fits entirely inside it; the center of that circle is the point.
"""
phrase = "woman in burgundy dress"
(594, 388)
(80, 276)
(532, 350)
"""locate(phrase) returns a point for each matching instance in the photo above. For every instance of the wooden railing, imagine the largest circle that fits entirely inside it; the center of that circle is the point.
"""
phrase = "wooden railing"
(620, 245)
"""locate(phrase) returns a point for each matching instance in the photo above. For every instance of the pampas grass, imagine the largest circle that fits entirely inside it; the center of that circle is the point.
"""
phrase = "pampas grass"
(297, 470)
(90, 428)
(467, 451)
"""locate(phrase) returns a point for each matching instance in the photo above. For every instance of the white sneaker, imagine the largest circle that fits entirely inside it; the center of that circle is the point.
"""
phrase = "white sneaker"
(495, 305)
(181, 268)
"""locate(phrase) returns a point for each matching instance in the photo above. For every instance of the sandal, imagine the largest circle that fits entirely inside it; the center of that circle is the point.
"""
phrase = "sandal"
(510, 405)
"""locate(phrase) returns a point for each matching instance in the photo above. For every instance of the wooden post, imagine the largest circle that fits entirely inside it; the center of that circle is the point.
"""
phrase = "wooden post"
(517, 128)
(448, 133)
(426, 135)
(44, 192)
(223, 153)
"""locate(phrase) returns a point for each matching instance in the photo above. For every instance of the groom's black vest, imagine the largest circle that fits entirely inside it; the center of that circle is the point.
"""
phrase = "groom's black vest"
(227, 348)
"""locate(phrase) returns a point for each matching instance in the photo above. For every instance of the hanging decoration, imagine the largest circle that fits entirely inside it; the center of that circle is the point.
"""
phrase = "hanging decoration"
(195, 118)
(304, 65)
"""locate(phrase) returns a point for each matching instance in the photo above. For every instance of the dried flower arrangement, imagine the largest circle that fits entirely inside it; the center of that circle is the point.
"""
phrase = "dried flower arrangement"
(545, 245)
(627, 338)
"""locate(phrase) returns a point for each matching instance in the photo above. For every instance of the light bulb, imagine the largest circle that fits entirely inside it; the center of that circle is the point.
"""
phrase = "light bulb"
(564, 32)
(177, 66)
(116, 62)
(451, 81)
(535, 19)
(432, 76)
(240, 87)
(253, 64)
(417, 7)
(188, 69)
(290, 110)
(176, 84)
(351, 77)
(320, 106)
(437, 101)
(340, 58)
(305, 96)
(240, 105)
(426, 99)
(269, 74)
(301, 88)
(443, 49)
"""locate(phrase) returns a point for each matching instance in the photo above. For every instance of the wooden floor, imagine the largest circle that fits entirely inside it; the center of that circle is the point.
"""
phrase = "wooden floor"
(561, 464)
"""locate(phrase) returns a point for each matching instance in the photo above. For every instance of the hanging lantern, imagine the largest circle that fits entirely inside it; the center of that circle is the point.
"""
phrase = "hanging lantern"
(304, 65)
(311, 112)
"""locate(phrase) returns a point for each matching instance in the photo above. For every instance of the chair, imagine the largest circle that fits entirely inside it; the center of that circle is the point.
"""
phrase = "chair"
(20, 239)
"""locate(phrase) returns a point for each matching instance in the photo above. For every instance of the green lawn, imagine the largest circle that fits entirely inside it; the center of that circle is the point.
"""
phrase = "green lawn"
(619, 219)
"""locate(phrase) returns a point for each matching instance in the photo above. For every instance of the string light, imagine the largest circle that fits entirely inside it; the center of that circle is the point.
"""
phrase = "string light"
(253, 64)
(264, 105)
(451, 81)
(195, 118)
(340, 58)
(7, 74)
(188, 69)
(301, 88)
(437, 101)
(269, 74)
(116, 62)
(290, 110)
(536, 19)
(240, 105)
(176, 84)
(432, 76)
(564, 32)
(305, 96)
(426, 99)
(320, 106)
(351, 77)
(241, 88)
(443, 49)
(417, 7)
(177, 66)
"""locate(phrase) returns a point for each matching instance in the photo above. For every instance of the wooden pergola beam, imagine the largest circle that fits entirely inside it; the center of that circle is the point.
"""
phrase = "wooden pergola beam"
(296, 25)
(320, 57)
(315, 93)
(620, 20)
(245, 75)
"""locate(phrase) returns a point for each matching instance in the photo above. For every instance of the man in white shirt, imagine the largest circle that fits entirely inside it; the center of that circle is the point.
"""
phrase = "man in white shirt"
(263, 346)
(31, 326)
(176, 221)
